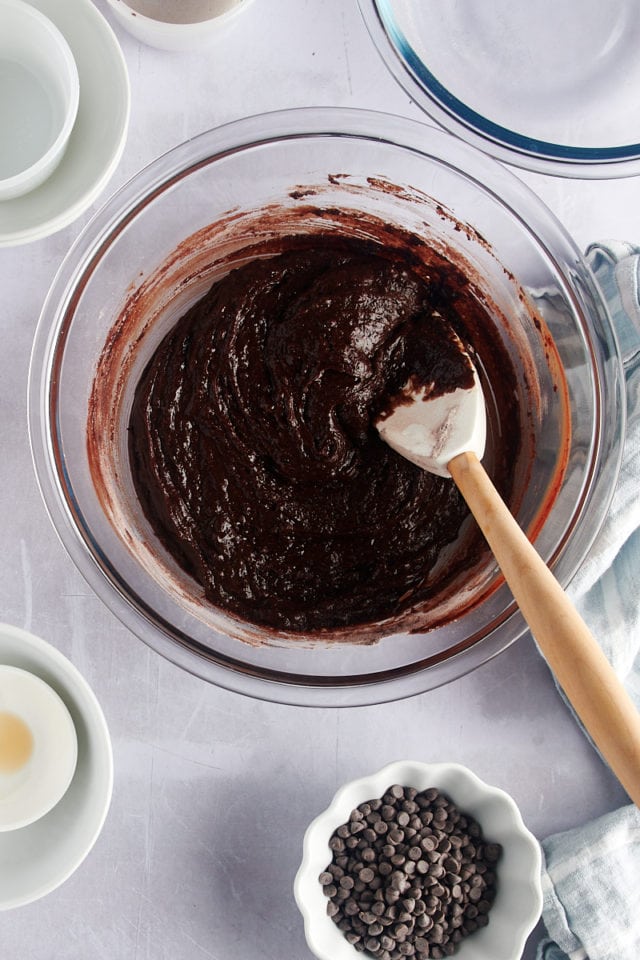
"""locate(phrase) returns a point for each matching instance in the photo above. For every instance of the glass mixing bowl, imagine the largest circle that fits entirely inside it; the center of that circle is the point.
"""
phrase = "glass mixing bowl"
(156, 246)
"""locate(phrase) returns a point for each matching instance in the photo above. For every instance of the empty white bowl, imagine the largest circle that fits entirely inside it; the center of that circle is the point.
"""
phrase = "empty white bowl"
(187, 25)
(39, 96)
(518, 902)
(38, 748)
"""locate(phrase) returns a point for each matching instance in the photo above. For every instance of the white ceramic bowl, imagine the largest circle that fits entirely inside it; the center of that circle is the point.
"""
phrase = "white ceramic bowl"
(39, 97)
(45, 853)
(38, 748)
(518, 903)
(187, 25)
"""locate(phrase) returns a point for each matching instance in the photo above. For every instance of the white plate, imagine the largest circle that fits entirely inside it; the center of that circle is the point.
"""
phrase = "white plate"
(36, 859)
(99, 134)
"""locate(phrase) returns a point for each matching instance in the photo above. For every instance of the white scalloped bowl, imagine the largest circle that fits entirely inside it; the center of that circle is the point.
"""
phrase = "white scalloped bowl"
(518, 902)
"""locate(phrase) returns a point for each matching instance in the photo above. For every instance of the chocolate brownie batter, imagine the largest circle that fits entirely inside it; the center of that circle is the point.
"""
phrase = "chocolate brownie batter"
(252, 439)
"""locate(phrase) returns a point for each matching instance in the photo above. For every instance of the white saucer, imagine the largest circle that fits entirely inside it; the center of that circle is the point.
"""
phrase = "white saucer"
(37, 858)
(99, 135)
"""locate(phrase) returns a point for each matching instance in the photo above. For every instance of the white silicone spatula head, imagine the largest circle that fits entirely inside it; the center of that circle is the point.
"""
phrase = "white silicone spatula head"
(431, 427)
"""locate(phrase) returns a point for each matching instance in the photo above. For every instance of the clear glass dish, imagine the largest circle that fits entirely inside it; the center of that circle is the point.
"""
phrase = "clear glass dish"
(538, 85)
(155, 247)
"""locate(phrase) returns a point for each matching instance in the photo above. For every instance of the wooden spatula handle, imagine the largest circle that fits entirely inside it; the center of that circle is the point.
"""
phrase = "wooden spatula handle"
(574, 656)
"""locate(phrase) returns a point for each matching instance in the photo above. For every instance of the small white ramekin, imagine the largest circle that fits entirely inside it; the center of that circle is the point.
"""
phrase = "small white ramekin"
(39, 97)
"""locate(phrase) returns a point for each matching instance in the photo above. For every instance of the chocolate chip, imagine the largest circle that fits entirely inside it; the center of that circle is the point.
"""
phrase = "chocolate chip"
(398, 881)
(492, 852)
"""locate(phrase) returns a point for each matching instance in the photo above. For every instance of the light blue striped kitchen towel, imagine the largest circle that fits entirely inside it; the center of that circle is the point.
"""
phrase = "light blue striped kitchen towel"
(591, 874)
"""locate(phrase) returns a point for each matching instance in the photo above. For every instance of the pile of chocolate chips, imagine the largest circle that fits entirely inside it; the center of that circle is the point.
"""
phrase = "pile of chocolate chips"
(411, 875)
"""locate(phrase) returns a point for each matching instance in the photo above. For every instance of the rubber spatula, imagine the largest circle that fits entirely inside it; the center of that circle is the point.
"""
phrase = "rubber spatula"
(444, 433)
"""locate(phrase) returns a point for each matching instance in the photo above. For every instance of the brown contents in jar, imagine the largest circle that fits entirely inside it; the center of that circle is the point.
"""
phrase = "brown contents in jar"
(253, 446)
